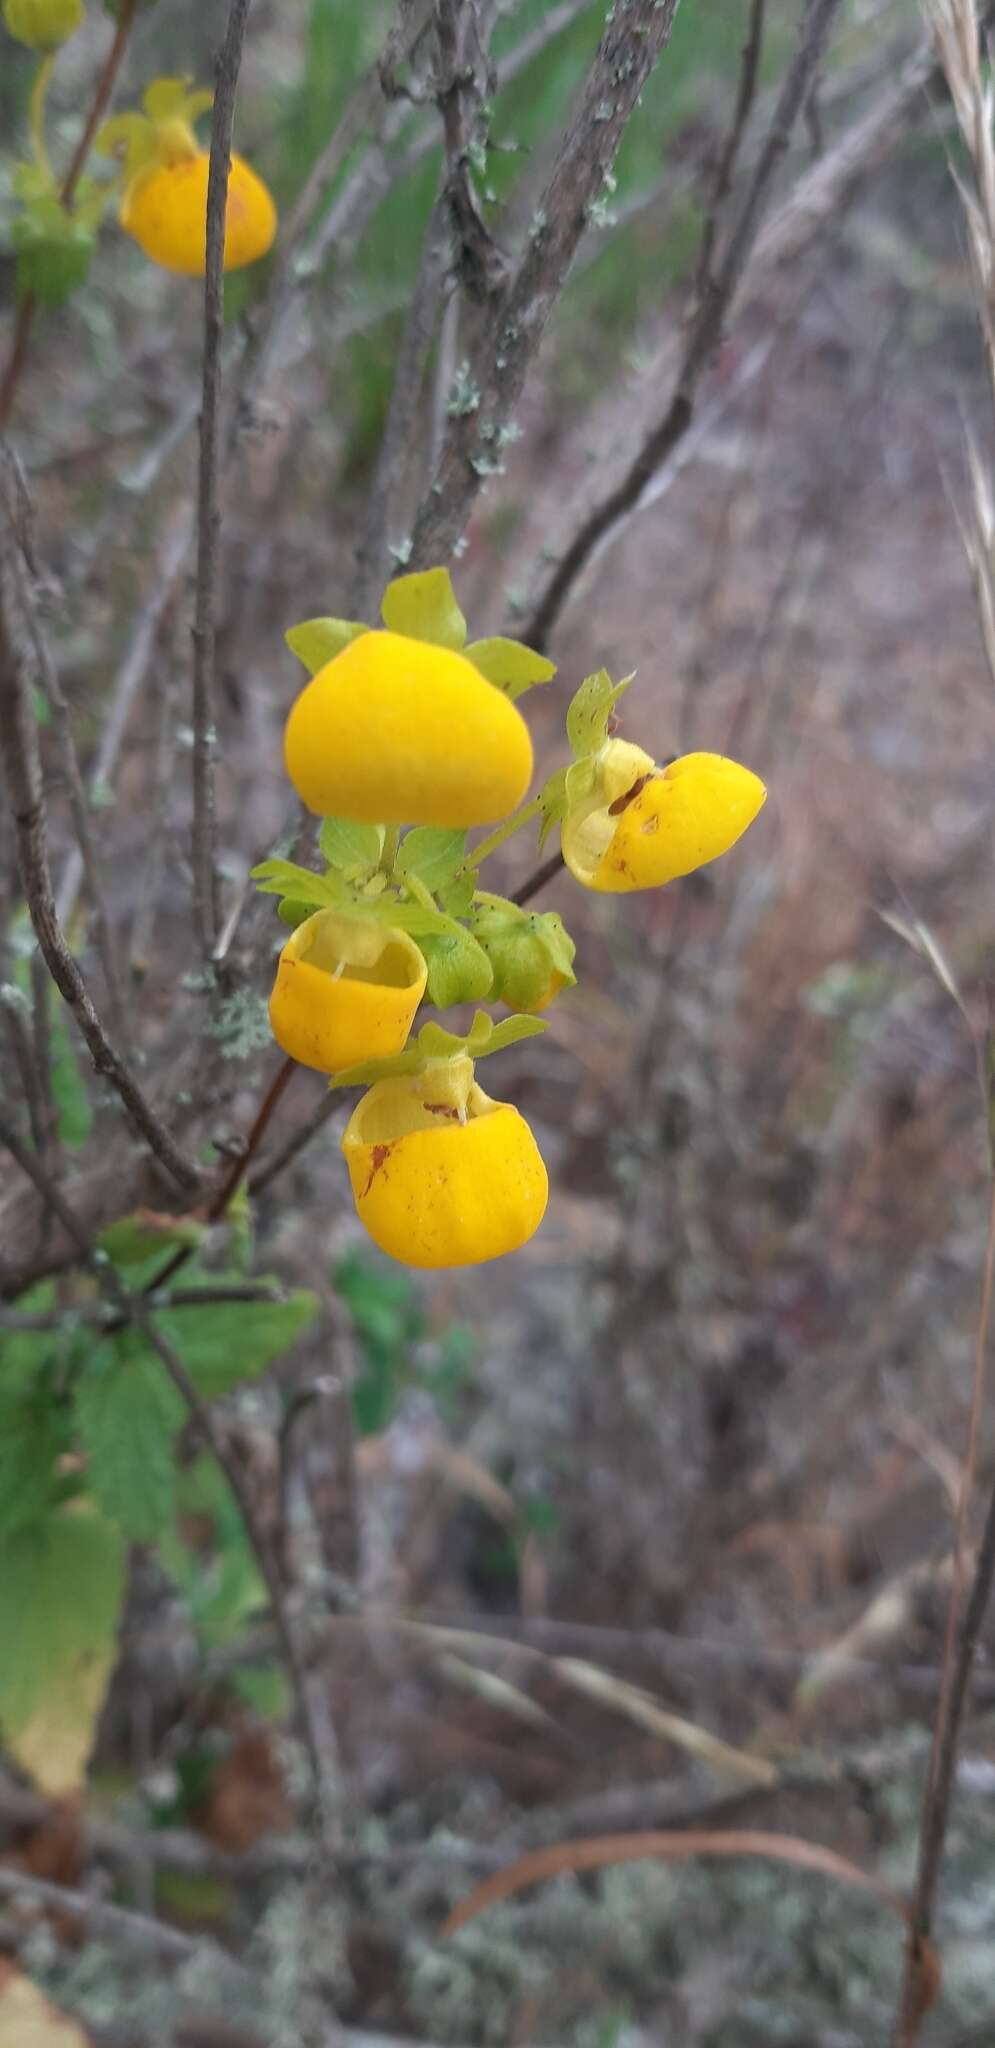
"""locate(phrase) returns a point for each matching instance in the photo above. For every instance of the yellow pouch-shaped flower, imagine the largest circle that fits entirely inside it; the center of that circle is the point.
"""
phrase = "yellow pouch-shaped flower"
(165, 210)
(399, 731)
(642, 826)
(345, 991)
(441, 1175)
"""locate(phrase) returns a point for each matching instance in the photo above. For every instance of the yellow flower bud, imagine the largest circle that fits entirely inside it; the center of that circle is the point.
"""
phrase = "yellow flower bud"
(43, 24)
(441, 1175)
(398, 731)
(675, 819)
(165, 208)
(345, 991)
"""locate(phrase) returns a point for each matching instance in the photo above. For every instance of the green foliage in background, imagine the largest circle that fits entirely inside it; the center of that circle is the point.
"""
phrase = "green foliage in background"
(398, 1348)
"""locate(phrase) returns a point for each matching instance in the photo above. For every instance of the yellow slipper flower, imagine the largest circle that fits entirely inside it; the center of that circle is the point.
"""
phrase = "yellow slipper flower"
(642, 826)
(345, 991)
(399, 731)
(165, 211)
(441, 1175)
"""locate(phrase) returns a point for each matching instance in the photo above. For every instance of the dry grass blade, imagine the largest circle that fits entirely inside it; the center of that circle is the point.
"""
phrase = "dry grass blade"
(674, 1846)
(641, 1707)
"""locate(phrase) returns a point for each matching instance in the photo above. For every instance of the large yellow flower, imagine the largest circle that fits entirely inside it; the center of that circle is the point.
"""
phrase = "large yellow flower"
(399, 731)
(165, 210)
(441, 1175)
(345, 991)
(641, 826)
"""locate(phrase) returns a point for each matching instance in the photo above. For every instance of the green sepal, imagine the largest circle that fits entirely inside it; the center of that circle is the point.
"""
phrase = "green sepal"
(435, 1043)
(54, 247)
(553, 804)
(423, 606)
(176, 99)
(590, 711)
(457, 896)
(510, 666)
(316, 642)
(525, 949)
(435, 853)
(459, 970)
(347, 845)
(292, 912)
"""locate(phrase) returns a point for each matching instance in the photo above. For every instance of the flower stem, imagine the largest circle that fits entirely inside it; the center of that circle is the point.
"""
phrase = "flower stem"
(388, 856)
(497, 838)
(38, 93)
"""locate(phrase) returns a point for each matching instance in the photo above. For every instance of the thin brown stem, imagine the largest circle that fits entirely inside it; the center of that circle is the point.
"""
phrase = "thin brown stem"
(232, 1180)
(206, 898)
(729, 155)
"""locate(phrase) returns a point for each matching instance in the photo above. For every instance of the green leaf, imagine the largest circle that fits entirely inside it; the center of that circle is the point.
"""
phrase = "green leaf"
(434, 1042)
(424, 607)
(51, 261)
(510, 666)
(285, 878)
(74, 1116)
(128, 1414)
(316, 642)
(458, 969)
(414, 918)
(126, 136)
(434, 853)
(509, 1032)
(135, 1238)
(166, 97)
(34, 1433)
(590, 710)
(292, 913)
(553, 803)
(61, 1587)
(457, 898)
(225, 1343)
(347, 845)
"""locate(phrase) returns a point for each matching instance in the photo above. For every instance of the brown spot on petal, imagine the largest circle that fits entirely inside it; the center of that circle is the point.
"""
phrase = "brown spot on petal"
(381, 1154)
(651, 825)
(444, 1109)
(629, 795)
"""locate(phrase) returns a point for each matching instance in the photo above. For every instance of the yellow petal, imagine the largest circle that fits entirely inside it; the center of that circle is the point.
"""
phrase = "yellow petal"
(435, 1191)
(165, 210)
(345, 992)
(397, 731)
(680, 818)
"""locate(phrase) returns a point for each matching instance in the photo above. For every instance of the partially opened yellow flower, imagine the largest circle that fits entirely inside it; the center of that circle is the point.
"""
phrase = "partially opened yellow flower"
(345, 991)
(441, 1175)
(164, 207)
(640, 826)
(399, 731)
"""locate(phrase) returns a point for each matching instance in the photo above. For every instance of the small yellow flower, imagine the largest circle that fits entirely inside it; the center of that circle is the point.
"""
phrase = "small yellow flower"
(641, 826)
(165, 211)
(345, 991)
(399, 731)
(441, 1175)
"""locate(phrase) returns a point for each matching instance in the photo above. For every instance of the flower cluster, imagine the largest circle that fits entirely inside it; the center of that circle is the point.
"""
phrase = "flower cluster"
(159, 189)
(405, 725)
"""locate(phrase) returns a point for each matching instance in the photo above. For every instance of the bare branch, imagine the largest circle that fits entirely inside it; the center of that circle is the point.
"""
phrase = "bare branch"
(462, 87)
(707, 326)
(206, 900)
(632, 41)
(22, 767)
(728, 157)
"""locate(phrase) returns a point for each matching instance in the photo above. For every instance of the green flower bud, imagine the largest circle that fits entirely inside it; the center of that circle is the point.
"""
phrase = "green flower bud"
(531, 954)
(43, 24)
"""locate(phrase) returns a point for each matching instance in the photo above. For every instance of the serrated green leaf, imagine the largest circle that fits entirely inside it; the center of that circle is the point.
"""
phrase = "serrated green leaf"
(424, 607)
(128, 1414)
(432, 852)
(316, 642)
(347, 845)
(590, 710)
(510, 666)
(223, 1343)
(285, 878)
(33, 1435)
(61, 1587)
(458, 969)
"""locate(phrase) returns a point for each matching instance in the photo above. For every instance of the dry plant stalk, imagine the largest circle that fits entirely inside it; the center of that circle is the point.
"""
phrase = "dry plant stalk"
(956, 26)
